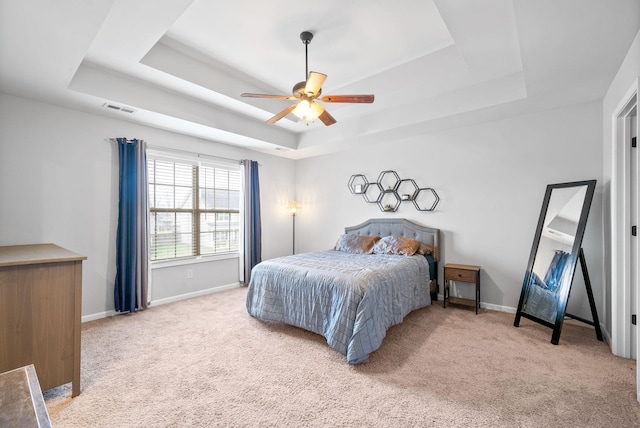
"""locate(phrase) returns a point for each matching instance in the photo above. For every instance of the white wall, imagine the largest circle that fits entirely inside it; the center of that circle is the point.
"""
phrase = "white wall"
(59, 183)
(491, 179)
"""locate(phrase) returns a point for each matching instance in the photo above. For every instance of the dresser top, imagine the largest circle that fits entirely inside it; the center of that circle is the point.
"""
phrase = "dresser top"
(14, 255)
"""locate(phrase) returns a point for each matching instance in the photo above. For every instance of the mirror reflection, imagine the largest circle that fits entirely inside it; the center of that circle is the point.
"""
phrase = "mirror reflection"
(551, 273)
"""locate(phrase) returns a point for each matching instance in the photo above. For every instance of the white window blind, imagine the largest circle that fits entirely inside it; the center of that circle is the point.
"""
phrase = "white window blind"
(193, 207)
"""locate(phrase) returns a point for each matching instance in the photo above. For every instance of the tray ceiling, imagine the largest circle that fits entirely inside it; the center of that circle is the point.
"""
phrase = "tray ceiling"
(181, 65)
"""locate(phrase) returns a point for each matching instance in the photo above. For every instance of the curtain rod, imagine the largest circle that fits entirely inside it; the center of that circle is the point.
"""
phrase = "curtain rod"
(200, 155)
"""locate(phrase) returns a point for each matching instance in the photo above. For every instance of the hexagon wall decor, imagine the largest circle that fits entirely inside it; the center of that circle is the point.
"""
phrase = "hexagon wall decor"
(390, 191)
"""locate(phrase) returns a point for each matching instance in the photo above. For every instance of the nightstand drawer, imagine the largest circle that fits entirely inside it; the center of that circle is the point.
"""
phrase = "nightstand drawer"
(459, 275)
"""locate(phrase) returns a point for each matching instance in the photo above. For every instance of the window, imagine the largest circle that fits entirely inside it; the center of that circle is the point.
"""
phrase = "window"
(193, 208)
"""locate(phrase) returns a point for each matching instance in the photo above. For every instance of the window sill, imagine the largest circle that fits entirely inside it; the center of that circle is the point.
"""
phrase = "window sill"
(193, 260)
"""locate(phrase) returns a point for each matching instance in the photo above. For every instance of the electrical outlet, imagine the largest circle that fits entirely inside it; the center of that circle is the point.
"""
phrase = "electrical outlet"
(189, 273)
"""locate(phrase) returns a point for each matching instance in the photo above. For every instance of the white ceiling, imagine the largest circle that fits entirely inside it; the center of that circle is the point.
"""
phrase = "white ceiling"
(181, 65)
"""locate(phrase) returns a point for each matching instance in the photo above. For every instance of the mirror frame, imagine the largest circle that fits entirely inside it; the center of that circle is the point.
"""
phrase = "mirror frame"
(563, 293)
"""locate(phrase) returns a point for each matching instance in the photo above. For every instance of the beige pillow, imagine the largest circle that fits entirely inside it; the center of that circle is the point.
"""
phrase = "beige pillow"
(397, 245)
(424, 249)
(356, 244)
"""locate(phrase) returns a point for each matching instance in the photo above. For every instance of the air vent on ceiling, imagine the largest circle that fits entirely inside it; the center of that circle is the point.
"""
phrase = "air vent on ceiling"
(282, 149)
(119, 108)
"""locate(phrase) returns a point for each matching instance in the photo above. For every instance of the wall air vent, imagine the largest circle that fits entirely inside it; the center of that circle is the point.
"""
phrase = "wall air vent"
(119, 108)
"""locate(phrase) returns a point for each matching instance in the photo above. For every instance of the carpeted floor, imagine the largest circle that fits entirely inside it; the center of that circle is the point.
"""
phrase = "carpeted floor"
(206, 362)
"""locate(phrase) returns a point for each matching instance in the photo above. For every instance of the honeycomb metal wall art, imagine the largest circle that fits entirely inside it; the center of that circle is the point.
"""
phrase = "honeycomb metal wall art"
(389, 191)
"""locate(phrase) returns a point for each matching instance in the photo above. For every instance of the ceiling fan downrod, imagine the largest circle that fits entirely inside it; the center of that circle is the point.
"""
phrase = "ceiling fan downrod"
(306, 37)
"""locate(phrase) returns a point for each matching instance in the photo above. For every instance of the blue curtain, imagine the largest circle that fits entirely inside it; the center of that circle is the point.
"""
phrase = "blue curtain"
(252, 230)
(130, 291)
(553, 276)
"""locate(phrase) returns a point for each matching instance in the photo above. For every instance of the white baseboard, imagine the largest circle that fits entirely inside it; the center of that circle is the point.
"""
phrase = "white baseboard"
(99, 315)
(606, 335)
(500, 308)
(172, 299)
(194, 294)
(489, 306)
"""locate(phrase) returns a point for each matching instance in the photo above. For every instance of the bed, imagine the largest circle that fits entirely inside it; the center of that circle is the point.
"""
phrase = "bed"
(347, 294)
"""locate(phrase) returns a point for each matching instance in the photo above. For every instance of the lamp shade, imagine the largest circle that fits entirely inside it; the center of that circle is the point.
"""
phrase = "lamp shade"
(293, 207)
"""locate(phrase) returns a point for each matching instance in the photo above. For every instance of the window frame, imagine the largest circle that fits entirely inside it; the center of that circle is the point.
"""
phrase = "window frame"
(196, 211)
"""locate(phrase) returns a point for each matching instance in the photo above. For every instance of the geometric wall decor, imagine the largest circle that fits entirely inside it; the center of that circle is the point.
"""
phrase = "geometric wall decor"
(389, 191)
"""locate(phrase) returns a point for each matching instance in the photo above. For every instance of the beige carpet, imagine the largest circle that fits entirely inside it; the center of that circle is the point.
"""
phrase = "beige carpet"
(205, 362)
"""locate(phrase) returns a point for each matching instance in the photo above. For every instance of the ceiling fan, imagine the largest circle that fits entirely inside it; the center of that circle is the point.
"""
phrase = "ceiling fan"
(308, 93)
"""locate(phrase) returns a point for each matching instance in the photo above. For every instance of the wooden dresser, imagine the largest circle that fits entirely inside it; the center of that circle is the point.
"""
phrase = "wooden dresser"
(40, 312)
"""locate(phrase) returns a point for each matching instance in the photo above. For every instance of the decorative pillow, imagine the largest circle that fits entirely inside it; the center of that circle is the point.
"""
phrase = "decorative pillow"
(424, 249)
(356, 244)
(396, 245)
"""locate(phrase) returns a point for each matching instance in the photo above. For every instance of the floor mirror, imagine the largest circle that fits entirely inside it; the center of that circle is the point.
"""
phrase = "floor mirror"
(555, 253)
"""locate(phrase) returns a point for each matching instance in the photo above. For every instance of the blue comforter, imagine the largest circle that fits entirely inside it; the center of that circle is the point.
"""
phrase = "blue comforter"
(350, 299)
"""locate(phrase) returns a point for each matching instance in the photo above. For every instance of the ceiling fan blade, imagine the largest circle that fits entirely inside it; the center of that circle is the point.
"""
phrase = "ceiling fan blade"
(348, 98)
(314, 83)
(282, 114)
(326, 118)
(279, 97)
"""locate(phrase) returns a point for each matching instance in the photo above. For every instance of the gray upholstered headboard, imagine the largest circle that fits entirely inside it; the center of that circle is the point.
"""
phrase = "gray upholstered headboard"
(398, 227)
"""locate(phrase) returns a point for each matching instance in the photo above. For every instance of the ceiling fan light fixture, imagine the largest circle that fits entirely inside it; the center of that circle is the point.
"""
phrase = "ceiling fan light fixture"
(308, 110)
(307, 92)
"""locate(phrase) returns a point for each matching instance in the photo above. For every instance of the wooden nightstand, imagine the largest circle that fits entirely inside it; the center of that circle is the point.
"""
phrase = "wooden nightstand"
(461, 273)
